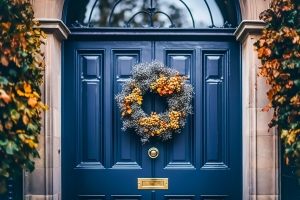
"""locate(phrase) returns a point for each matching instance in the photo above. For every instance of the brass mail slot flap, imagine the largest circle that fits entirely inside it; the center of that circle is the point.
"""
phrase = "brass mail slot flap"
(153, 183)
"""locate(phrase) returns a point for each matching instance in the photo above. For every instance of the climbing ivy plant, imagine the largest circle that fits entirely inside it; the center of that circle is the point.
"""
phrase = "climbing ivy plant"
(279, 51)
(21, 67)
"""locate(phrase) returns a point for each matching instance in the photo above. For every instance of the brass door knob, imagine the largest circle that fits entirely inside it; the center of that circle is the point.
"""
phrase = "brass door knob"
(153, 152)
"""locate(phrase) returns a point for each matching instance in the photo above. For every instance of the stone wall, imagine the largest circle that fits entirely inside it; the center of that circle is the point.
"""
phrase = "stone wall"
(260, 145)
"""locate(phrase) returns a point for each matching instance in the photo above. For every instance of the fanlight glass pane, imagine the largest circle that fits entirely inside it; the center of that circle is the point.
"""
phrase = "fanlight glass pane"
(181, 14)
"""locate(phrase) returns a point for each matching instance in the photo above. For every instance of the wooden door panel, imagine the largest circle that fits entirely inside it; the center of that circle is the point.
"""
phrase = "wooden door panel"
(89, 129)
(215, 115)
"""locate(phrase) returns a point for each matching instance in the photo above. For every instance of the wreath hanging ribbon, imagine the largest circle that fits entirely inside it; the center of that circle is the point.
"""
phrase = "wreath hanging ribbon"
(166, 82)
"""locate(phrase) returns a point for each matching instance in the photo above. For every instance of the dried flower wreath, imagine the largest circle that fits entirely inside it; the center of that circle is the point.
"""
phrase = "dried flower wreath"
(167, 83)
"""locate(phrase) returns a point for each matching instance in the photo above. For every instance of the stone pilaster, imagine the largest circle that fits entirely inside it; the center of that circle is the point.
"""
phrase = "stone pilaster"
(260, 145)
(45, 182)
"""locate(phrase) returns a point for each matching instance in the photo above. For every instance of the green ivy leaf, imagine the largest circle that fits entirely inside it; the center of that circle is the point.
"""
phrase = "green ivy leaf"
(3, 142)
(12, 72)
(297, 82)
(3, 80)
(14, 114)
(31, 128)
(30, 165)
(9, 148)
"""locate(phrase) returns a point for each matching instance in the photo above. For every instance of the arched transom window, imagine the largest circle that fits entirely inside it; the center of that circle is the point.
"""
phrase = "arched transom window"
(152, 13)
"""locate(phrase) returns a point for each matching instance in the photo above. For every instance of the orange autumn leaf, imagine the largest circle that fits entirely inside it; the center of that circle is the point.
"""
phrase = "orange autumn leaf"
(3, 95)
(295, 39)
(270, 94)
(287, 55)
(261, 52)
(289, 84)
(32, 101)
(276, 73)
(4, 61)
(297, 54)
(261, 42)
(6, 25)
(285, 76)
(275, 63)
(268, 52)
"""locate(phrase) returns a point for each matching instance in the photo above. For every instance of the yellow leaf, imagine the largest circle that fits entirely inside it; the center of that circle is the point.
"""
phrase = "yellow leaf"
(22, 137)
(44, 107)
(36, 94)
(43, 34)
(284, 133)
(32, 144)
(291, 137)
(37, 32)
(35, 22)
(20, 93)
(27, 88)
(25, 119)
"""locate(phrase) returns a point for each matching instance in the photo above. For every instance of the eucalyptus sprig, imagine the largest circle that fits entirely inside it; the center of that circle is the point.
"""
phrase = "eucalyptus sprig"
(279, 51)
(21, 67)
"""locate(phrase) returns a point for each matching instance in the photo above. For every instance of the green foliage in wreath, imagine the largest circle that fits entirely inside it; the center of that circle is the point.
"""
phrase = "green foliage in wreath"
(166, 82)
(279, 50)
(21, 66)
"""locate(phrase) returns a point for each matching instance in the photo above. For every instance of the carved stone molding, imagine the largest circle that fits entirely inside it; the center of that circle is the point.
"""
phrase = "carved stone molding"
(55, 27)
(247, 27)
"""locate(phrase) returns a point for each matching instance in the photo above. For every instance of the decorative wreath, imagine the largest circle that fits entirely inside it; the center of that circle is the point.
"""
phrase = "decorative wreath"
(157, 78)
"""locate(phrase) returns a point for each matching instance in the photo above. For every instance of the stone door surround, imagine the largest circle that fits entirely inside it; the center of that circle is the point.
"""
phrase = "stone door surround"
(260, 146)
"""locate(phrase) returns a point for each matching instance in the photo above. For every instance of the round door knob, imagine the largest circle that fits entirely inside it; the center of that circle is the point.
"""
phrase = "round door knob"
(153, 152)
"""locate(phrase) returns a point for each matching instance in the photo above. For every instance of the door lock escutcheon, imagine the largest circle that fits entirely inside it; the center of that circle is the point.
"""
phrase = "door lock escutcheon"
(153, 152)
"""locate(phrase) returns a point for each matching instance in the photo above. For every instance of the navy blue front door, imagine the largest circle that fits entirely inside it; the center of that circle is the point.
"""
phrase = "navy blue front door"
(100, 161)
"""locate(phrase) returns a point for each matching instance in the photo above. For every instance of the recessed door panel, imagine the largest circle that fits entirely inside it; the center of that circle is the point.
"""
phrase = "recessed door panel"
(126, 145)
